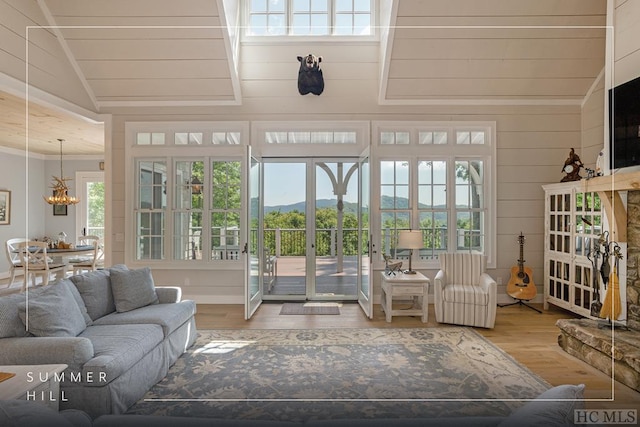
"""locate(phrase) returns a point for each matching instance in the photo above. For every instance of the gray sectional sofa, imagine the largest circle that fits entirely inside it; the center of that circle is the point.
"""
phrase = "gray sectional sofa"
(116, 331)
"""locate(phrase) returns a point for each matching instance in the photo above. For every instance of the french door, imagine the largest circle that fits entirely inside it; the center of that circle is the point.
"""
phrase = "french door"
(253, 246)
(365, 242)
(311, 229)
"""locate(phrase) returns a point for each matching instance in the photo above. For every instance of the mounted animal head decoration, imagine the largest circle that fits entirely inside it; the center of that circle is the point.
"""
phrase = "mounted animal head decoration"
(310, 78)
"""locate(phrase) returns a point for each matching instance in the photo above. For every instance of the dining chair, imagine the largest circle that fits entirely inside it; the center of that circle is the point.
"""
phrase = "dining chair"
(92, 262)
(13, 257)
(36, 262)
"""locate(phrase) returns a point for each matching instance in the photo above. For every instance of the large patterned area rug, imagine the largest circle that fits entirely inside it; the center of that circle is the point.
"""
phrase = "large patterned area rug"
(296, 375)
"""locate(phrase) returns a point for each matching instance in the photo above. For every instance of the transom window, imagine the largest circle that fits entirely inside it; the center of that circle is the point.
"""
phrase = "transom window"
(310, 137)
(309, 17)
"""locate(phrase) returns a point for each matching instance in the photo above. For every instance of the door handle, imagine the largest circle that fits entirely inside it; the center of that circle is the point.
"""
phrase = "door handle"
(246, 248)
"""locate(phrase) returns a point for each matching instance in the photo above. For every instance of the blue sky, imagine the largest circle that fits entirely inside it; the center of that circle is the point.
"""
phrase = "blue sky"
(285, 184)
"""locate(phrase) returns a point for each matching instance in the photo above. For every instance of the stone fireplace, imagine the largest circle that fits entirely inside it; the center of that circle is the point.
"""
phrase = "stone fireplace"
(587, 340)
(633, 260)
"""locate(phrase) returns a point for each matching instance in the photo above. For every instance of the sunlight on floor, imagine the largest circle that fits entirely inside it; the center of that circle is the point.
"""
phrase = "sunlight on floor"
(221, 347)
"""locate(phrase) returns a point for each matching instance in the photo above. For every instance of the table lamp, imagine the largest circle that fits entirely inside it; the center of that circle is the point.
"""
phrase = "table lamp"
(410, 239)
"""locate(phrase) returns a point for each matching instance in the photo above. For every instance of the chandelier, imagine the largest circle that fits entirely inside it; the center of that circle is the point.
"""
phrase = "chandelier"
(60, 190)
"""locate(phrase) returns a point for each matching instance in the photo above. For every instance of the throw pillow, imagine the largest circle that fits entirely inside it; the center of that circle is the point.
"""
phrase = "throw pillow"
(554, 407)
(95, 290)
(10, 323)
(52, 313)
(132, 289)
(78, 299)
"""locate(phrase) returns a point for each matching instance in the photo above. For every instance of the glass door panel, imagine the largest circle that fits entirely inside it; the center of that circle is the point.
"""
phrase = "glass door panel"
(285, 229)
(253, 246)
(336, 230)
(365, 243)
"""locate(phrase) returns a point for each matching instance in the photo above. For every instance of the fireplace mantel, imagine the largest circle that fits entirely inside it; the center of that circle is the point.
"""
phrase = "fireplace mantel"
(609, 188)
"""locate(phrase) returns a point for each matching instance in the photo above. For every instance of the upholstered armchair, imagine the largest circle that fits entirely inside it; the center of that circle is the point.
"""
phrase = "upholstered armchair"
(463, 293)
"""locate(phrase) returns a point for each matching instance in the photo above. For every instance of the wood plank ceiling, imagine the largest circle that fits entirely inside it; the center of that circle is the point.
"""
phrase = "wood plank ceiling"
(446, 51)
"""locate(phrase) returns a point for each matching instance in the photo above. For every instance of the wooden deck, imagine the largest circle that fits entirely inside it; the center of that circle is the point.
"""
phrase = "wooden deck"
(291, 280)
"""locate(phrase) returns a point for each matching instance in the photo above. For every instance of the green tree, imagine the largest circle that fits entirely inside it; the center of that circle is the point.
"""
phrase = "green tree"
(95, 196)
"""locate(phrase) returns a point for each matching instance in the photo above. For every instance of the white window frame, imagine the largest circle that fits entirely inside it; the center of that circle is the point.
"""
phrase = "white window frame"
(414, 152)
(247, 37)
(170, 153)
(259, 130)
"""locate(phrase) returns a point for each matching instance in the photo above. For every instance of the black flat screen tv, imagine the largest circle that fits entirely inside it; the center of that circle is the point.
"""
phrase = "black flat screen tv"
(624, 125)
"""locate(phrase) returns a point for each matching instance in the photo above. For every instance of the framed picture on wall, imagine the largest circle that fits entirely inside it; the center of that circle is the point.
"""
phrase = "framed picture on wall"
(5, 207)
(60, 210)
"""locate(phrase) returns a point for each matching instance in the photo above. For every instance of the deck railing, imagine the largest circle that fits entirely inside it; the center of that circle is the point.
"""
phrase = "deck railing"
(293, 242)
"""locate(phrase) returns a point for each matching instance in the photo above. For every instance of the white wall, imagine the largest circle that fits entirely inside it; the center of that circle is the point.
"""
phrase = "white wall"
(626, 56)
(593, 124)
(24, 178)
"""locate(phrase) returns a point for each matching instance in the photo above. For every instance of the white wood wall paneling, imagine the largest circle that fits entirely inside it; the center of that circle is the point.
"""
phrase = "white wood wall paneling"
(208, 30)
(519, 190)
(131, 21)
(148, 49)
(154, 69)
(538, 139)
(129, 8)
(549, 172)
(356, 89)
(538, 123)
(497, 68)
(532, 156)
(28, 9)
(355, 54)
(521, 208)
(132, 88)
(594, 116)
(571, 20)
(438, 32)
(289, 70)
(498, 48)
(500, 7)
(489, 88)
(627, 29)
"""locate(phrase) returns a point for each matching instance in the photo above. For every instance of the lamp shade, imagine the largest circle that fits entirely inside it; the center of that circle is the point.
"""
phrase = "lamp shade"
(410, 239)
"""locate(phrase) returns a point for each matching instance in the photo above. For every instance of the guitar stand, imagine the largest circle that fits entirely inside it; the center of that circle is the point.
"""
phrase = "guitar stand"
(520, 302)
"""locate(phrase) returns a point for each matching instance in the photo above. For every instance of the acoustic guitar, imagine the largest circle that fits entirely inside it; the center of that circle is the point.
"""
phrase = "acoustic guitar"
(521, 286)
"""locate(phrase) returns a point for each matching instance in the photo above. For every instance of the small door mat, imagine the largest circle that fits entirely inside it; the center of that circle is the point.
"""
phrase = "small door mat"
(6, 376)
(309, 308)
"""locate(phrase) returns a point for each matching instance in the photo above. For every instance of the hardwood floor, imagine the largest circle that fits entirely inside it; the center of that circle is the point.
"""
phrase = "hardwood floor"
(529, 337)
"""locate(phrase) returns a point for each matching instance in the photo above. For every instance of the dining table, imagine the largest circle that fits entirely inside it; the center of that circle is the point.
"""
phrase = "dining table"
(60, 255)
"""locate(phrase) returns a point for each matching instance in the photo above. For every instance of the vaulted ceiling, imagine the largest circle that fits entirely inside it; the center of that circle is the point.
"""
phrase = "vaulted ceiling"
(137, 53)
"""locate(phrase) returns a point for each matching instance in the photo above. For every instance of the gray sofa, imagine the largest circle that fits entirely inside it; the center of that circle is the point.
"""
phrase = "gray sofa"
(554, 407)
(116, 331)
